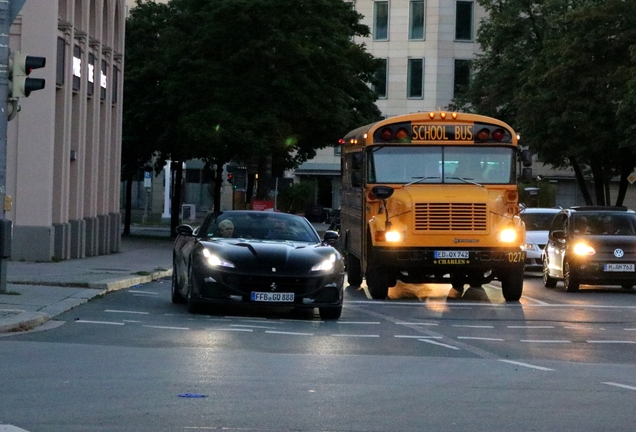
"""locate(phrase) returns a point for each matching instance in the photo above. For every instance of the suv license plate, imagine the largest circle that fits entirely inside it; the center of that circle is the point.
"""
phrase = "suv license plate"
(272, 297)
(619, 267)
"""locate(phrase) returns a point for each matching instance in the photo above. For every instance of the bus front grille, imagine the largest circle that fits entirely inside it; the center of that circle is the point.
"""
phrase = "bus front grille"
(451, 217)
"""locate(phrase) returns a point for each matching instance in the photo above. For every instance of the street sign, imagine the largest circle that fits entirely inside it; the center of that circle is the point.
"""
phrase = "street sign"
(147, 179)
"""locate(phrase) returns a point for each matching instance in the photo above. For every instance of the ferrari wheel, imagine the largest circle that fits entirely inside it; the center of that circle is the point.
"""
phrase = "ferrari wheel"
(569, 278)
(330, 312)
(193, 305)
(175, 288)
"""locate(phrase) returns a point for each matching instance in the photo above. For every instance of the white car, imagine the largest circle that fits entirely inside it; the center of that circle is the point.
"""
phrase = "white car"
(537, 222)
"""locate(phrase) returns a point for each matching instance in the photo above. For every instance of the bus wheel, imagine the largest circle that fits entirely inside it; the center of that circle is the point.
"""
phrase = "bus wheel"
(354, 270)
(377, 281)
(512, 284)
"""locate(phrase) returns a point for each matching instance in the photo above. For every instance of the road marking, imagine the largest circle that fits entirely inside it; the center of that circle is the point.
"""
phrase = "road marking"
(166, 327)
(128, 312)
(289, 333)
(473, 326)
(530, 327)
(98, 322)
(620, 385)
(526, 365)
(480, 338)
(610, 342)
(355, 335)
(544, 341)
(438, 343)
(131, 321)
(417, 337)
(358, 322)
(251, 326)
(417, 323)
(143, 292)
(233, 329)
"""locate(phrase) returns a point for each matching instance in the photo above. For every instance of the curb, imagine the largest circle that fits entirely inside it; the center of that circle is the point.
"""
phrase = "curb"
(25, 320)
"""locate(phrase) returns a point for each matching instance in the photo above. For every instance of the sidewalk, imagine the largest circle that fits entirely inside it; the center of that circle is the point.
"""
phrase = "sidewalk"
(37, 292)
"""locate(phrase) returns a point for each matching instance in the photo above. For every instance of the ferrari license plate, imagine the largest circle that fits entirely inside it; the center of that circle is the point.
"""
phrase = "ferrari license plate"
(272, 297)
(451, 254)
(619, 267)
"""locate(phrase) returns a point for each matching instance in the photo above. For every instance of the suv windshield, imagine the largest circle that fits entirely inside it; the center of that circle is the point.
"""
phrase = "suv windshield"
(589, 223)
(537, 221)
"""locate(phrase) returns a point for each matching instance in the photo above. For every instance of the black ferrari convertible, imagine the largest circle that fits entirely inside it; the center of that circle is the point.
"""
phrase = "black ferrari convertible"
(257, 258)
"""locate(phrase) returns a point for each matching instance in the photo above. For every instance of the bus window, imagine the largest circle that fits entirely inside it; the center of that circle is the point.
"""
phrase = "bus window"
(478, 164)
(401, 164)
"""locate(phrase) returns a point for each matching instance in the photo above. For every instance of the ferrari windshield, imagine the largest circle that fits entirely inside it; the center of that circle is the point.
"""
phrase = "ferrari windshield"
(259, 225)
(441, 164)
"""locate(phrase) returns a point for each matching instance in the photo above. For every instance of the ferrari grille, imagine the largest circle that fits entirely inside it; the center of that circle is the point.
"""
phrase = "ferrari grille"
(247, 284)
(451, 217)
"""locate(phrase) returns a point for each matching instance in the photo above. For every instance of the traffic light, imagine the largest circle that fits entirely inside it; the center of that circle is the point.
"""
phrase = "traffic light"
(20, 66)
(230, 178)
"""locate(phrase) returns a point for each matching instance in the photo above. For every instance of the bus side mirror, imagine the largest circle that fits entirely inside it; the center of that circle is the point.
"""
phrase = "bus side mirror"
(382, 192)
(356, 161)
(526, 158)
(526, 175)
(356, 179)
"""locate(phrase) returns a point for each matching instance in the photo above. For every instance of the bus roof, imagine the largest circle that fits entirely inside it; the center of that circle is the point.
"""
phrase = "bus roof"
(360, 134)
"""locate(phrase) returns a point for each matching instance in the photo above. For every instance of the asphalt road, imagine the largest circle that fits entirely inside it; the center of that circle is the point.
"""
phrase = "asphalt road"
(427, 359)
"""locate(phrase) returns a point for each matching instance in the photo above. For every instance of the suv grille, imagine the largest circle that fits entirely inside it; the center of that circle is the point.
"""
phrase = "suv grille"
(451, 217)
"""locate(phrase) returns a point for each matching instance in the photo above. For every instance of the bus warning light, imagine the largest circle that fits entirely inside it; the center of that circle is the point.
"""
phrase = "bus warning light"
(483, 134)
(431, 115)
(498, 134)
(442, 115)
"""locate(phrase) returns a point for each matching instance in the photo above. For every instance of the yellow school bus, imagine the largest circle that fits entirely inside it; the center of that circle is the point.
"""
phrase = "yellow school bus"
(432, 198)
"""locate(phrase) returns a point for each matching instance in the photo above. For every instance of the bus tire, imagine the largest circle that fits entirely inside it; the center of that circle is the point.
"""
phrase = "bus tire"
(354, 270)
(377, 281)
(512, 284)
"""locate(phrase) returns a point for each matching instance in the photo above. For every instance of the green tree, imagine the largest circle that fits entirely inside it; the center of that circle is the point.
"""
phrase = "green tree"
(558, 71)
(143, 117)
(269, 81)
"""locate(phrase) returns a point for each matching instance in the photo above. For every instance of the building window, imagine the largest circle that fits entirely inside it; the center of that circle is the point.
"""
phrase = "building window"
(115, 83)
(462, 77)
(77, 67)
(381, 20)
(464, 20)
(103, 80)
(415, 78)
(61, 63)
(91, 74)
(416, 20)
(380, 79)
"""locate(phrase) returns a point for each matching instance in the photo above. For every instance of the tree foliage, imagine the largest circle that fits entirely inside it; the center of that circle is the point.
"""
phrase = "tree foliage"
(252, 79)
(559, 71)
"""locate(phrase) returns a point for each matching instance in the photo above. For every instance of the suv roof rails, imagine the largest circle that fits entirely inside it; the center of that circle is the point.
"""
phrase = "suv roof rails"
(597, 208)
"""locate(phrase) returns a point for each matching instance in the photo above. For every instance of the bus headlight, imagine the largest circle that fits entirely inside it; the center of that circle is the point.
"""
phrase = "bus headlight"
(393, 236)
(508, 235)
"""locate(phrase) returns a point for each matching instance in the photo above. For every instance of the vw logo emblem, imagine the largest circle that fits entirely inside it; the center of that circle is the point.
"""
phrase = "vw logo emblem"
(618, 253)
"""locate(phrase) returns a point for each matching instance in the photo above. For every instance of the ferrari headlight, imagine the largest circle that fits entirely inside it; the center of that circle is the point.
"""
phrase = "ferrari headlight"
(326, 265)
(215, 261)
(583, 249)
(508, 235)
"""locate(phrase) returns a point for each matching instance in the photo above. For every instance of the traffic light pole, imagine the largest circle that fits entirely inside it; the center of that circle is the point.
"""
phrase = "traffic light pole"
(5, 24)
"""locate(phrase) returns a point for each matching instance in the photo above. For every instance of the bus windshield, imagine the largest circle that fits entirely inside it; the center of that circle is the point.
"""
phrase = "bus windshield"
(441, 164)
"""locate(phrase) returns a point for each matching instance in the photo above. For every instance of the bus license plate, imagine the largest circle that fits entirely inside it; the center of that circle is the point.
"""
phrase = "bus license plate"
(272, 297)
(619, 267)
(451, 254)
